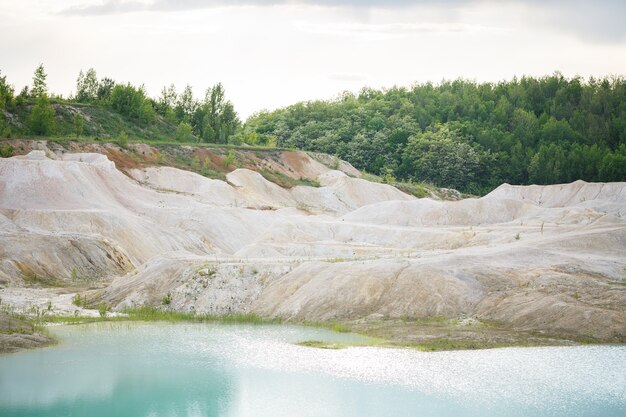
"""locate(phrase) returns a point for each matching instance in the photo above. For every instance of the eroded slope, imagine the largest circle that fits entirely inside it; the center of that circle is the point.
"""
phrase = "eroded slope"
(544, 260)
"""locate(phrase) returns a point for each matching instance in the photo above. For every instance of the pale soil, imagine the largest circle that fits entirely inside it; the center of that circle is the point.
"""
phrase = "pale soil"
(529, 265)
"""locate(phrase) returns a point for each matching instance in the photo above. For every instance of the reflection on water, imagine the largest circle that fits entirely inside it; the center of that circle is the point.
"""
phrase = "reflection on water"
(113, 369)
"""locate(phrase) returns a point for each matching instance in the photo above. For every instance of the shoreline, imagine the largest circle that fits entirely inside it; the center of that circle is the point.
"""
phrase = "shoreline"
(427, 335)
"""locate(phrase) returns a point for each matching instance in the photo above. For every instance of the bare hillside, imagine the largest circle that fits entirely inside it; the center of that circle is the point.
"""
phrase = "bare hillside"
(543, 261)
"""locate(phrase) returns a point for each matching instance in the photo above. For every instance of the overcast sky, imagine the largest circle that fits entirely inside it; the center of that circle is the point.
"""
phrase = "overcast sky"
(272, 53)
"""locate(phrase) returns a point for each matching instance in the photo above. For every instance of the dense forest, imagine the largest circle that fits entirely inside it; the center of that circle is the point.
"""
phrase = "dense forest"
(457, 134)
(466, 135)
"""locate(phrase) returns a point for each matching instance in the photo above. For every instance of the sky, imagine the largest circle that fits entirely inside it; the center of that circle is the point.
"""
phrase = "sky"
(273, 53)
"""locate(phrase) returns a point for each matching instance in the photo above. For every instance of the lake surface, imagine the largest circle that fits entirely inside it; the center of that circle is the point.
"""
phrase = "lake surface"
(134, 369)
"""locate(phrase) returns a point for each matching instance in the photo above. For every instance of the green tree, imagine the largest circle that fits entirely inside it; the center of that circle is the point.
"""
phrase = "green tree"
(613, 165)
(548, 165)
(525, 127)
(6, 102)
(40, 88)
(131, 102)
(186, 105)
(78, 124)
(6, 94)
(167, 102)
(41, 119)
(184, 132)
(442, 158)
(105, 88)
(218, 119)
(87, 86)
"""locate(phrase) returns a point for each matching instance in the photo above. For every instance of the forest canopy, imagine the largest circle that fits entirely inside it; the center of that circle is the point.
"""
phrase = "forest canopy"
(463, 134)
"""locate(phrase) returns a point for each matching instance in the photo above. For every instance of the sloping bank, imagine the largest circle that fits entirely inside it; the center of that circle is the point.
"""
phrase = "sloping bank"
(522, 265)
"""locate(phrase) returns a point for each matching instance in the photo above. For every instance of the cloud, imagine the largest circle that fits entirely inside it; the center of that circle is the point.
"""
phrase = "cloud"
(108, 7)
(596, 22)
(386, 31)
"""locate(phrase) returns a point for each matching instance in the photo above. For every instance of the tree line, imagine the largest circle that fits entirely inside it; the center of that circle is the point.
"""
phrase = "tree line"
(466, 135)
(458, 134)
(211, 119)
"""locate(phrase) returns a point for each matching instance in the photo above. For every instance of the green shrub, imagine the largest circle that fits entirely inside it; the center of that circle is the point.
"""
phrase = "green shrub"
(78, 301)
(41, 118)
(122, 139)
(184, 132)
(6, 151)
(103, 309)
(228, 161)
(167, 299)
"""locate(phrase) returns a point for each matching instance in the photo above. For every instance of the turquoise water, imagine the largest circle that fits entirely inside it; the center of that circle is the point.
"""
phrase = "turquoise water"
(134, 369)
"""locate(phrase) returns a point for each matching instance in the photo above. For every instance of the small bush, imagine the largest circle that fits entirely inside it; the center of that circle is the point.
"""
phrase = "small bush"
(103, 309)
(6, 151)
(228, 161)
(122, 139)
(184, 132)
(79, 301)
(167, 299)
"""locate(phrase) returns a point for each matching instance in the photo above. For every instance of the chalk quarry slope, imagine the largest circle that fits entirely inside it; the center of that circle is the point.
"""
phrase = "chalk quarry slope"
(546, 259)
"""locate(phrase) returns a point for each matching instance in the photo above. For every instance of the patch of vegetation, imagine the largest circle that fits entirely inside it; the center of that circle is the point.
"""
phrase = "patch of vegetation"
(79, 301)
(148, 313)
(29, 322)
(122, 139)
(167, 299)
(103, 309)
(32, 279)
(229, 159)
(418, 190)
(320, 344)
(431, 320)
(438, 344)
(6, 151)
(330, 325)
(286, 181)
(194, 164)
